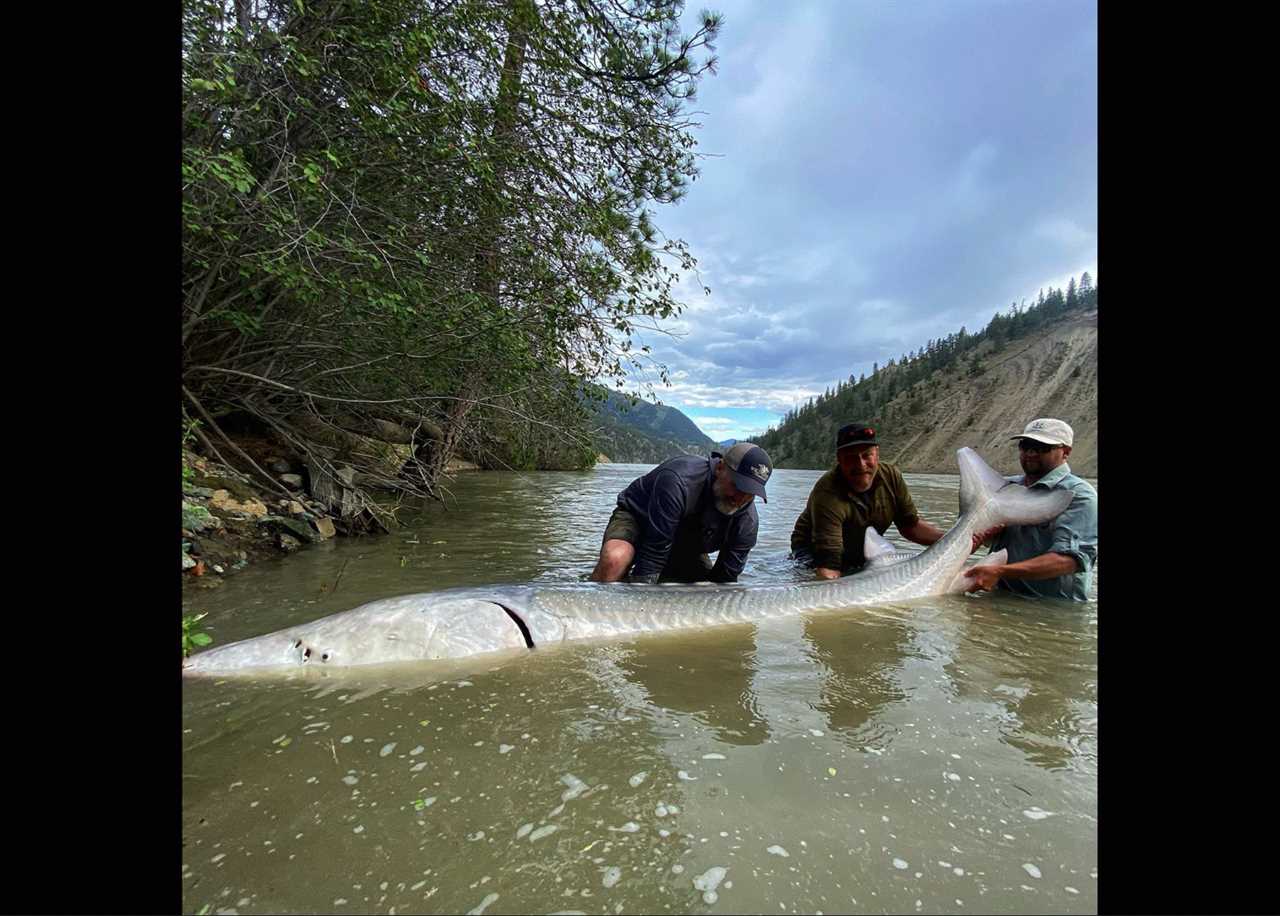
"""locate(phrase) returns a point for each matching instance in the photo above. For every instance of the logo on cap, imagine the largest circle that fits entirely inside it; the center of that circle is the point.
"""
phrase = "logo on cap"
(761, 471)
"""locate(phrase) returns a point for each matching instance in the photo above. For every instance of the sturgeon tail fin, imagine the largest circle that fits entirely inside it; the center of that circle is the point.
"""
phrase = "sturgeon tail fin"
(983, 491)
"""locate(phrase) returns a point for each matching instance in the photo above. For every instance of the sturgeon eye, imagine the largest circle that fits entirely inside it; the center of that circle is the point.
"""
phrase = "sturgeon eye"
(325, 657)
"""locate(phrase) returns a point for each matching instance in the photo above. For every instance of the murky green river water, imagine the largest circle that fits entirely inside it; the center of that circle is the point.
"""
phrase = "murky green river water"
(939, 756)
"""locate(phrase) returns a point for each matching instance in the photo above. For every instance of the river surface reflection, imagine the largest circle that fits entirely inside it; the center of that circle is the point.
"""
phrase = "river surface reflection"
(936, 756)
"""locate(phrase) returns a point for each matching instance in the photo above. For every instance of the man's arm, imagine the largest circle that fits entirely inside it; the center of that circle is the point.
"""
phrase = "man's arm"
(828, 539)
(732, 558)
(921, 532)
(666, 506)
(1046, 566)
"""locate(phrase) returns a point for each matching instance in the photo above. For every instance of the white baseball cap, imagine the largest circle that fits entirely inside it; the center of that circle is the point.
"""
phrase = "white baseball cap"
(1048, 431)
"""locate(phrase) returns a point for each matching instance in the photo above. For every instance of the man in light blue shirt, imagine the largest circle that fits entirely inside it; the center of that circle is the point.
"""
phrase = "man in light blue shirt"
(1053, 559)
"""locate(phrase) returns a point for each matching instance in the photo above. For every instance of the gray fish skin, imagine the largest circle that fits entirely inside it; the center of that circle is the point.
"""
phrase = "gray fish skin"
(460, 622)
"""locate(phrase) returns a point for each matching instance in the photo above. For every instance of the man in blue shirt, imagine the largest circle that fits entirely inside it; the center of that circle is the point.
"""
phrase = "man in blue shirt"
(1053, 559)
(669, 520)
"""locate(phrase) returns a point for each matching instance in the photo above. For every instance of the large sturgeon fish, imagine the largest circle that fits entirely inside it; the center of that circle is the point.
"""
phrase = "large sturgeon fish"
(460, 622)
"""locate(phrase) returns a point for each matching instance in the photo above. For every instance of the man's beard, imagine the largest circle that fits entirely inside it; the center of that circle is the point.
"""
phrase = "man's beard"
(723, 506)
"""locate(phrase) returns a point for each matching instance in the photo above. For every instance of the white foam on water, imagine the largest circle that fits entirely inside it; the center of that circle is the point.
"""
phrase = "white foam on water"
(351, 780)
(506, 748)
(683, 775)
(359, 828)
(1036, 813)
(418, 767)
(524, 831)
(576, 787)
(714, 757)
(346, 739)
(556, 810)
(677, 869)
(428, 802)
(416, 751)
(816, 732)
(387, 749)
(612, 876)
(778, 851)
(1069, 889)
(664, 833)
(1031, 869)
(899, 864)
(637, 779)
(467, 684)
(219, 857)
(660, 811)
(944, 864)
(478, 835)
(958, 870)
(954, 777)
(628, 827)
(480, 908)
(709, 880)
(545, 830)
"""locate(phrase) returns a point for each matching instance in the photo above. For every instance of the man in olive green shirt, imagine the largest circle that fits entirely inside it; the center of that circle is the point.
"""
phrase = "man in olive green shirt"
(858, 492)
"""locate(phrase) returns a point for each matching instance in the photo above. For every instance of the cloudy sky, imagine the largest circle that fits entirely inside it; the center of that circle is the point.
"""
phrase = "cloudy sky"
(876, 174)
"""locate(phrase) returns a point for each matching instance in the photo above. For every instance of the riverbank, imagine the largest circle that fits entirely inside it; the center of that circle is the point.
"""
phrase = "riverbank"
(230, 520)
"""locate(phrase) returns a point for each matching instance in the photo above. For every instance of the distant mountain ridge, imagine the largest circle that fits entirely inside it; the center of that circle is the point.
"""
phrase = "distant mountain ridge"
(640, 432)
(967, 390)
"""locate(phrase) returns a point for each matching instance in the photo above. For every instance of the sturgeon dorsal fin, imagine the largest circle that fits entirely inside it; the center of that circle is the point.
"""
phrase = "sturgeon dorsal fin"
(875, 545)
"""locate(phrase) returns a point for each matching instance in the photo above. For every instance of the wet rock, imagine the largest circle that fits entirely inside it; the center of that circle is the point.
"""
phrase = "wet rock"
(218, 569)
(208, 582)
(187, 562)
(295, 508)
(224, 502)
(324, 526)
(300, 530)
(288, 543)
(292, 481)
(281, 466)
(189, 489)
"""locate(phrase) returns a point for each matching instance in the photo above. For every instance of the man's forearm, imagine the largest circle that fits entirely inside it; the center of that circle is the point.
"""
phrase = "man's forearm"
(1046, 566)
(922, 532)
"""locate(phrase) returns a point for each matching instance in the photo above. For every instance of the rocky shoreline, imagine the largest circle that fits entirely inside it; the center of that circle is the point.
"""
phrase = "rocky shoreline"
(228, 521)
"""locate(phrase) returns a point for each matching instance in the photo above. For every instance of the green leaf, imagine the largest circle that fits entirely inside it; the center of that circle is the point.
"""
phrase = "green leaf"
(201, 639)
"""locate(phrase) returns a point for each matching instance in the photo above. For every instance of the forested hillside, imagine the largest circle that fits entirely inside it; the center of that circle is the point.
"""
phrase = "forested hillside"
(966, 389)
(627, 430)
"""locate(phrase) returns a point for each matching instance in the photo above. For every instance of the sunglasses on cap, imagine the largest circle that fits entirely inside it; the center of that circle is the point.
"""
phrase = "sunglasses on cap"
(1037, 448)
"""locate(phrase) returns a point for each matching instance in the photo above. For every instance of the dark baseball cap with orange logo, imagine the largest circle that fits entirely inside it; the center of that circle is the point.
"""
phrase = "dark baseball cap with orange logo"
(855, 434)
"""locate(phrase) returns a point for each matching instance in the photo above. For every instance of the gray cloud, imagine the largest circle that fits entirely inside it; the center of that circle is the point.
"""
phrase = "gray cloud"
(878, 174)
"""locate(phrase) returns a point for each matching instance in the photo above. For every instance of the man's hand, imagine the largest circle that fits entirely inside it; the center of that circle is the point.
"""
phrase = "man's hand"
(982, 577)
(981, 537)
(824, 573)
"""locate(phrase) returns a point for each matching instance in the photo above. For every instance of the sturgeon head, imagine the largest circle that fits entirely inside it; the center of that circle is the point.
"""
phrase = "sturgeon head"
(448, 624)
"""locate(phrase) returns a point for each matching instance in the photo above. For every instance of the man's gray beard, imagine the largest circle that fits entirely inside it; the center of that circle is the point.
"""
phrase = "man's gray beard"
(724, 507)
